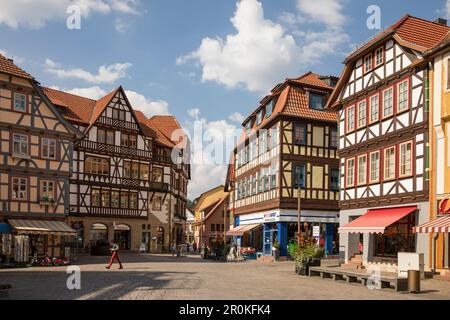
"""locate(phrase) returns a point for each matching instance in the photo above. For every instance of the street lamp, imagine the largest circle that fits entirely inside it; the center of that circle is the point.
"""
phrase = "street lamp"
(299, 209)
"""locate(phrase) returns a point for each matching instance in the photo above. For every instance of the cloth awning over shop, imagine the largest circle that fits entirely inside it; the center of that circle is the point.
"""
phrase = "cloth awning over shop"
(376, 221)
(240, 230)
(41, 227)
(439, 225)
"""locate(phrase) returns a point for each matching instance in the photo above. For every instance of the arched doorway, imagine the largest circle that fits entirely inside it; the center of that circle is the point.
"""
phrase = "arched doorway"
(122, 236)
(98, 232)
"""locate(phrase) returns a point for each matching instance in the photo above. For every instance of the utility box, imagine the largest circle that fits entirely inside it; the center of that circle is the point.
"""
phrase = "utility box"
(410, 261)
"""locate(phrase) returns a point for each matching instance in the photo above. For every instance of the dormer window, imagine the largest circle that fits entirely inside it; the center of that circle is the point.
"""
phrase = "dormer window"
(248, 126)
(269, 108)
(368, 63)
(316, 101)
(259, 117)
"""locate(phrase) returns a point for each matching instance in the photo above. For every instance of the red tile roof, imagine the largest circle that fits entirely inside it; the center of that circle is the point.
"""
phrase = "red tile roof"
(167, 125)
(7, 66)
(101, 104)
(419, 33)
(293, 101)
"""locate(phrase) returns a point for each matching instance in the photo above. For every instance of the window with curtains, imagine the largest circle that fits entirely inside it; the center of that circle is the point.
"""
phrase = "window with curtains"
(47, 189)
(379, 53)
(115, 199)
(299, 178)
(273, 137)
(316, 101)
(127, 169)
(124, 200)
(98, 166)
(20, 144)
(19, 189)
(362, 113)
(262, 141)
(95, 198)
(350, 173)
(135, 170)
(253, 185)
(374, 108)
(388, 102)
(389, 163)
(374, 167)
(273, 177)
(406, 159)
(133, 200)
(105, 136)
(20, 102)
(48, 148)
(248, 188)
(362, 170)
(105, 200)
(368, 63)
(128, 140)
(300, 134)
(350, 118)
(403, 96)
(157, 174)
(144, 171)
(266, 179)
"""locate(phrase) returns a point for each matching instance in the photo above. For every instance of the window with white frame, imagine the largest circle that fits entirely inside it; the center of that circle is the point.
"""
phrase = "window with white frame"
(388, 102)
(253, 185)
(379, 57)
(351, 118)
(259, 116)
(48, 148)
(362, 170)
(368, 63)
(374, 108)
(406, 159)
(403, 96)
(362, 112)
(374, 167)
(350, 173)
(273, 177)
(20, 102)
(47, 189)
(262, 141)
(389, 163)
(19, 189)
(20, 144)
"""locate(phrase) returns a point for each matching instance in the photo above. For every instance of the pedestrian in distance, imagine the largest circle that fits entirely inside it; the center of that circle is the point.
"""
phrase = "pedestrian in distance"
(173, 249)
(114, 256)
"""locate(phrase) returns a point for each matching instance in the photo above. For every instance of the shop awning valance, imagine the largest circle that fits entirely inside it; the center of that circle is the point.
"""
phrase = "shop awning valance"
(22, 226)
(439, 225)
(240, 230)
(376, 221)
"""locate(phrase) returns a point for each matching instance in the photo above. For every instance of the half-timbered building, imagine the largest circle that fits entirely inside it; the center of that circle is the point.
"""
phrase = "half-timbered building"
(288, 145)
(35, 166)
(122, 181)
(383, 102)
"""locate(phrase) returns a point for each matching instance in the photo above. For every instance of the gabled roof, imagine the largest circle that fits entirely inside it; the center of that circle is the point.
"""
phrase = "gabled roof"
(101, 104)
(416, 33)
(411, 32)
(167, 125)
(292, 100)
(211, 209)
(7, 66)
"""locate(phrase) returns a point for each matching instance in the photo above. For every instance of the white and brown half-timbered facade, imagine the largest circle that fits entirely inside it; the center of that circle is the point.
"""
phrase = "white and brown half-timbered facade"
(383, 100)
(35, 166)
(289, 143)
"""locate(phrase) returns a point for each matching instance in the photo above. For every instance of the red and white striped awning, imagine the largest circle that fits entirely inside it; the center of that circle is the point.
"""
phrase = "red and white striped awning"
(439, 225)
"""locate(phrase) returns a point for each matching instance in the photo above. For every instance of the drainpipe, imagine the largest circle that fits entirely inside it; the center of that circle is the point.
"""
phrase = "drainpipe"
(433, 259)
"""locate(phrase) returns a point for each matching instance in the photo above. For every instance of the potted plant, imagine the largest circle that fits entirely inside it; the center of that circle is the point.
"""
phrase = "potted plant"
(306, 257)
(276, 250)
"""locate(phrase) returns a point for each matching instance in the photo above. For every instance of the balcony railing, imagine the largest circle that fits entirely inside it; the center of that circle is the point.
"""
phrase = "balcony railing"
(118, 212)
(116, 123)
(116, 150)
(159, 186)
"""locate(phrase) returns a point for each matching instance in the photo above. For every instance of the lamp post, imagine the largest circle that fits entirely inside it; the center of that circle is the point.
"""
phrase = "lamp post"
(299, 212)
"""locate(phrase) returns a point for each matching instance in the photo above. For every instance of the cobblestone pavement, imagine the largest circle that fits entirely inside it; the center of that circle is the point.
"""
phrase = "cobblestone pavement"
(167, 277)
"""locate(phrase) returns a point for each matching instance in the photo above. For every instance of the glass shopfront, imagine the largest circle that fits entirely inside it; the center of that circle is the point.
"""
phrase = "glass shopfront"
(398, 237)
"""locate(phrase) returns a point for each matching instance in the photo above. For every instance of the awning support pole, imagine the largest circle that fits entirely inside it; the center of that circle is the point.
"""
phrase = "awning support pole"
(433, 258)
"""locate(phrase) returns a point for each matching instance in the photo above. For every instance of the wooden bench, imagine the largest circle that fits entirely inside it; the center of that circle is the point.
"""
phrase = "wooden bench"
(338, 274)
(4, 290)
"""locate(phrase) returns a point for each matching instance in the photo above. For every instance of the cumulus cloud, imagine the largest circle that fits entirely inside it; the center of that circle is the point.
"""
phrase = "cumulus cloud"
(35, 14)
(147, 106)
(105, 74)
(194, 113)
(236, 117)
(261, 52)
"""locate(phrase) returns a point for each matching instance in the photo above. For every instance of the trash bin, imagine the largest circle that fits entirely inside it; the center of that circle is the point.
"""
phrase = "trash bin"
(414, 281)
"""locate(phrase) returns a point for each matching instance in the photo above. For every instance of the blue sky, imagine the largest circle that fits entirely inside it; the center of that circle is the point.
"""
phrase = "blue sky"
(186, 57)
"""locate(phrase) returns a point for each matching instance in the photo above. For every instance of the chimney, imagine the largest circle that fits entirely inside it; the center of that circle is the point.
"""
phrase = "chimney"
(11, 60)
(441, 21)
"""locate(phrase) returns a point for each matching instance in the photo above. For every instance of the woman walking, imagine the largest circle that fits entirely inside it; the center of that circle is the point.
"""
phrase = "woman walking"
(114, 256)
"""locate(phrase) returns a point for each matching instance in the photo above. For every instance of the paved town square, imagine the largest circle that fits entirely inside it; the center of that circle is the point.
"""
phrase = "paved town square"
(156, 277)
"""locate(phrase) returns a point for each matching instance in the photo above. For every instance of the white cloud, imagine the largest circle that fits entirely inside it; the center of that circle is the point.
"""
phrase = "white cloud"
(194, 113)
(328, 12)
(16, 59)
(147, 106)
(106, 73)
(262, 53)
(92, 92)
(236, 117)
(255, 57)
(35, 14)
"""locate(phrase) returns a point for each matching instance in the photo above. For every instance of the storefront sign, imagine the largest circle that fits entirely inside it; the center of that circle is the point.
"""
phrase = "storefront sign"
(444, 206)
(316, 232)
(78, 225)
(270, 217)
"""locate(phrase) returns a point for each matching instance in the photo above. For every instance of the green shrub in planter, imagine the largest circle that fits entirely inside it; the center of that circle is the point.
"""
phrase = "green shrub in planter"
(308, 256)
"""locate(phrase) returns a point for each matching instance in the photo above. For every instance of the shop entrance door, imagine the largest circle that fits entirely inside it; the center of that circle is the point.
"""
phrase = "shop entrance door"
(270, 235)
(122, 236)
